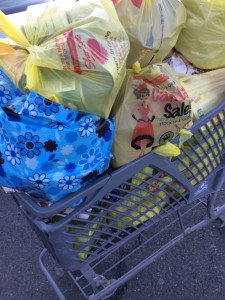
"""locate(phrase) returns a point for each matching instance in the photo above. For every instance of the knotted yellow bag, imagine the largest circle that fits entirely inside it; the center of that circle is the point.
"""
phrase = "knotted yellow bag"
(70, 52)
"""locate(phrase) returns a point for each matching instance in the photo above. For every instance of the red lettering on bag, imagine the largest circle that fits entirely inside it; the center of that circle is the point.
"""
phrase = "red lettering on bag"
(182, 94)
(73, 51)
(87, 58)
(114, 2)
(159, 79)
(161, 96)
(137, 3)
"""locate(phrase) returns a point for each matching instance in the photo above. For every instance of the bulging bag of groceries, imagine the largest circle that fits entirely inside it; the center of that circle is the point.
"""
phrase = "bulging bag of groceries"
(201, 40)
(206, 90)
(73, 53)
(152, 26)
(155, 107)
(46, 149)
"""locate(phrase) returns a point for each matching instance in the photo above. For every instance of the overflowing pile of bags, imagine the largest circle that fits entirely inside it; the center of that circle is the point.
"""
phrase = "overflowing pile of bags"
(89, 84)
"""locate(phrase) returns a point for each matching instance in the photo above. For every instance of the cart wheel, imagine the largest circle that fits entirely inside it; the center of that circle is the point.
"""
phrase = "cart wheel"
(59, 272)
(222, 221)
(101, 282)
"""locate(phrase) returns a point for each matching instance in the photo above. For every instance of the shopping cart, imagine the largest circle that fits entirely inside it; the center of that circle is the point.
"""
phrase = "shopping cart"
(126, 211)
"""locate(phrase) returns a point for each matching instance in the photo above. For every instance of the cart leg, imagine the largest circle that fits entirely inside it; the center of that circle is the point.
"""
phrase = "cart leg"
(222, 221)
(211, 205)
(42, 258)
(98, 282)
(212, 211)
(215, 212)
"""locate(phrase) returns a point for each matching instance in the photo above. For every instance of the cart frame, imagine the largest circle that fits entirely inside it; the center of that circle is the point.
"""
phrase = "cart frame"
(124, 208)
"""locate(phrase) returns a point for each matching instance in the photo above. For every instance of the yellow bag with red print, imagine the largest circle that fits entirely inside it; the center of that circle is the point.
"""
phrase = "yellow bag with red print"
(151, 108)
(73, 53)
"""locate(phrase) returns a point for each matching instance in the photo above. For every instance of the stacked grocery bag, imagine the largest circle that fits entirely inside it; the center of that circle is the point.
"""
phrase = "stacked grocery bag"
(59, 79)
(90, 84)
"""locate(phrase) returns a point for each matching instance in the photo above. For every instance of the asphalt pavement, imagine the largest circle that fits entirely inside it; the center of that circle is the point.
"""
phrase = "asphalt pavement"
(193, 269)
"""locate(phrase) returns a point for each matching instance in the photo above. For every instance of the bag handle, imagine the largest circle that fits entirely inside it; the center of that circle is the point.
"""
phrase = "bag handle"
(10, 30)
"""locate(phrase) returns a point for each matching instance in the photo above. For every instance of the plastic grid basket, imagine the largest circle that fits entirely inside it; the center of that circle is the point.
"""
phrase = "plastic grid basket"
(123, 203)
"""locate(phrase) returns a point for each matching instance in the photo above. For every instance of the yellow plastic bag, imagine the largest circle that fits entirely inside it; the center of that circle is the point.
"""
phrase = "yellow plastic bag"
(84, 241)
(70, 52)
(206, 91)
(151, 108)
(197, 162)
(152, 26)
(167, 149)
(137, 209)
(149, 199)
(201, 41)
(201, 168)
(79, 240)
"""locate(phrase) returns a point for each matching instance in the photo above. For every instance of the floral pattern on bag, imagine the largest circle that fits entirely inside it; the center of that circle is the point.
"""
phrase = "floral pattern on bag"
(46, 149)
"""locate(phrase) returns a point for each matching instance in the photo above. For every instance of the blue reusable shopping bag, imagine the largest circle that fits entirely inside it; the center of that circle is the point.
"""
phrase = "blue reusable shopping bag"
(46, 149)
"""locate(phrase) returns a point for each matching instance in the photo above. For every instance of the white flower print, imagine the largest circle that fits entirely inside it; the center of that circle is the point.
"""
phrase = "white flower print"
(29, 109)
(68, 182)
(86, 127)
(39, 180)
(12, 154)
(5, 95)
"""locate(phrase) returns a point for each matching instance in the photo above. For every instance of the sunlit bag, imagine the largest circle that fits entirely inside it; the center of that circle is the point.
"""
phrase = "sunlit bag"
(206, 90)
(73, 53)
(152, 26)
(201, 41)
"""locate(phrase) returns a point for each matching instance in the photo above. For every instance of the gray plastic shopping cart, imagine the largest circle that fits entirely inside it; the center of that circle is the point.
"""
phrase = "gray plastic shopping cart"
(126, 210)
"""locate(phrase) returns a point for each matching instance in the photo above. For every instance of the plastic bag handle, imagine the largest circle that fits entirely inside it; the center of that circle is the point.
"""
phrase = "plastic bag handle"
(10, 30)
